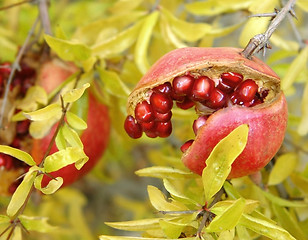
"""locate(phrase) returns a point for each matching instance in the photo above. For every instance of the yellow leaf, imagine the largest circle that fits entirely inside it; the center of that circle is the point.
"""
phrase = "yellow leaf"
(122, 6)
(284, 166)
(74, 94)
(52, 186)
(141, 48)
(218, 164)
(45, 113)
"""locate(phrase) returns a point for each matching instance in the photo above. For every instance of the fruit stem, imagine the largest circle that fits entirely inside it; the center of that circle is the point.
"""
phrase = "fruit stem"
(260, 41)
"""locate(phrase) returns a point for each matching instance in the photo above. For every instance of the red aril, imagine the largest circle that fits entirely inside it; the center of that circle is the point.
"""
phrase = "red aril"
(247, 90)
(161, 103)
(144, 112)
(182, 85)
(202, 89)
(132, 128)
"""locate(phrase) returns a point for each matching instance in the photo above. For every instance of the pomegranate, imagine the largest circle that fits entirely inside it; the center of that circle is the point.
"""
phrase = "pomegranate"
(51, 74)
(227, 90)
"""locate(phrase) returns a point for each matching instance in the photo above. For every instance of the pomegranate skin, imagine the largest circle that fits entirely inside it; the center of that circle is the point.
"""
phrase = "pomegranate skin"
(183, 60)
(267, 126)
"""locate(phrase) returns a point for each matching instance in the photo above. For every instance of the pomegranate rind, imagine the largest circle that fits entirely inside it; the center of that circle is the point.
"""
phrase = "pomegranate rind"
(210, 61)
(267, 124)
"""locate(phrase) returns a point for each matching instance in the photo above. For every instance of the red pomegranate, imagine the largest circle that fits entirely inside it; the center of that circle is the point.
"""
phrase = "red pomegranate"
(227, 90)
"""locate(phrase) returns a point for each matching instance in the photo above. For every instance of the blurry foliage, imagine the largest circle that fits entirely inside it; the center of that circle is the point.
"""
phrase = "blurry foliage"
(115, 42)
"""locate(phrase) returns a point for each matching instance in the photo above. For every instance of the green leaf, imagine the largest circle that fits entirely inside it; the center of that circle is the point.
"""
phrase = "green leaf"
(75, 122)
(20, 195)
(231, 191)
(163, 172)
(45, 113)
(65, 157)
(136, 225)
(171, 229)
(284, 166)
(4, 219)
(229, 218)
(142, 44)
(60, 140)
(52, 186)
(19, 154)
(71, 137)
(187, 31)
(227, 235)
(218, 164)
(117, 43)
(216, 7)
(40, 129)
(124, 6)
(176, 192)
(220, 207)
(303, 125)
(300, 182)
(297, 65)
(104, 237)
(288, 222)
(303, 4)
(283, 202)
(38, 224)
(68, 50)
(74, 94)
(17, 234)
(159, 202)
(35, 95)
(113, 84)
(265, 228)
(170, 36)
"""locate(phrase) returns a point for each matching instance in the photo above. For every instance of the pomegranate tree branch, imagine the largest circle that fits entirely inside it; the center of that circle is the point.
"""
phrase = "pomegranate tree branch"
(15, 4)
(260, 41)
(43, 9)
(15, 66)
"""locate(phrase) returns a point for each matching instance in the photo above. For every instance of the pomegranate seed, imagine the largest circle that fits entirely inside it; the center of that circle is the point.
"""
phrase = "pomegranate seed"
(144, 112)
(165, 88)
(132, 128)
(177, 98)
(162, 117)
(234, 98)
(186, 145)
(217, 99)
(151, 134)
(247, 90)
(6, 161)
(22, 127)
(231, 79)
(2, 160)
(186, 104)
(160, 102)
(202, 88)
(5, 69)
(163, 129)
(182, 85)
(148, 126)
(199, 122)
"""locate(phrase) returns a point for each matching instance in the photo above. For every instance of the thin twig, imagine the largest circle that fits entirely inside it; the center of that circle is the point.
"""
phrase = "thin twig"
(43, 9)
(15, 66)
(260, 41)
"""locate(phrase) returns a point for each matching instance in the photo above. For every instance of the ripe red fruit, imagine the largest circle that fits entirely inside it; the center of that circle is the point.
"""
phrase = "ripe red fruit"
(132, 127)
(161, 103)
(238, 81)
(203, 88)
(144, 112)
(95, 137)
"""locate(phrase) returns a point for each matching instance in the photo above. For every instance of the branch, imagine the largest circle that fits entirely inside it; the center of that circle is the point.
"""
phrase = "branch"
(15, 66)
(260, 41)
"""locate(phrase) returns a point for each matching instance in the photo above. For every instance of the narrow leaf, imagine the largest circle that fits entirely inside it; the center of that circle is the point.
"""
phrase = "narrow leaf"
(21, 193)
(283, 202)
(45, 113)
(303, 125)
(38, 224)
(68, 50)
(75, 122)
(284, 166)
(4, 219)
(136, 225)
(229, 218)
(65, 157)
(141, 48)
(265, 228)
(74, 94)
(52, 186)
(159, 202)
(300, 182)
(60, 140)
(163, 172)
(19, 154)
(221, 158)
(104, 237)
(71, 137)
(34, 95)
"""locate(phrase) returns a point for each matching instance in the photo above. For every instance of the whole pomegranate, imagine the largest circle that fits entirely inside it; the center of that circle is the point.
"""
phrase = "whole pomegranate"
(226, 89)
(50, 75)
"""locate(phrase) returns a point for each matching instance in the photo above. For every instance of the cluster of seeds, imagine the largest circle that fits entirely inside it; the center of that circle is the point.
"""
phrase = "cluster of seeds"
(21, 82)
(153, 116)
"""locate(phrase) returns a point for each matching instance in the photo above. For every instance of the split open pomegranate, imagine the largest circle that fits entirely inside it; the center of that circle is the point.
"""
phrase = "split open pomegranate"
(226, 89)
